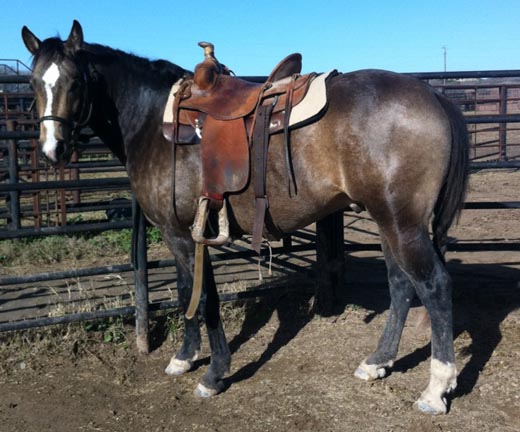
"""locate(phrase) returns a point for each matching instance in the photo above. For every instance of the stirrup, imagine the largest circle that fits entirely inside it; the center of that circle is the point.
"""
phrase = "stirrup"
(199, 224)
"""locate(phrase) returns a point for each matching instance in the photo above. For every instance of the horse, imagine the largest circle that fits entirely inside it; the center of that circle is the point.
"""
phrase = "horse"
(387, 142)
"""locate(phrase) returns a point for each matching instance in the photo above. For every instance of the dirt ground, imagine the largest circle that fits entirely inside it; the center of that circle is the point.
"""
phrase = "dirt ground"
(292, 370)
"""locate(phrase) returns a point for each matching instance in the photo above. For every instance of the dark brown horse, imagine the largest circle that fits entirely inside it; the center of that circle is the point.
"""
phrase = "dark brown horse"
(387, 142)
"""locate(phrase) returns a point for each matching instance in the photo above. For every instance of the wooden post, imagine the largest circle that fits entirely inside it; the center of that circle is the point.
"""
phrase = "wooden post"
(74, 175)
(14, 197)
(61, 201)
(140, 262)
(35, 177)
(330, 263)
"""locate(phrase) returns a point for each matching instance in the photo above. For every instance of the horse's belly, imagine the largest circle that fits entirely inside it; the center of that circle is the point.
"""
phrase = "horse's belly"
(286, 213)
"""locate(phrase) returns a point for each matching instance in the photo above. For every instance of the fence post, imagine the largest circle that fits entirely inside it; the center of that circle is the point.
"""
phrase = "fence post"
(330, 263)
(503, 126)
(14, 196)
(140, 262)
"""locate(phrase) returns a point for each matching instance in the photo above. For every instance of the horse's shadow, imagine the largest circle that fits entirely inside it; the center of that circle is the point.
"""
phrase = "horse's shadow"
(294, 311)
(293, 315)
(484, 295)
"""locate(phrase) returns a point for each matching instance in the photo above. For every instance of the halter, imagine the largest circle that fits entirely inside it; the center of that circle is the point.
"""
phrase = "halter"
(90, 77)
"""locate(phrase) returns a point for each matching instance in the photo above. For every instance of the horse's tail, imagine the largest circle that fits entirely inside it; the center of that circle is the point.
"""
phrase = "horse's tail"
(451, 197)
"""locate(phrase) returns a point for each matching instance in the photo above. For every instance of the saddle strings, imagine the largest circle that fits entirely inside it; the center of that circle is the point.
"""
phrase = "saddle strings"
(291, 180)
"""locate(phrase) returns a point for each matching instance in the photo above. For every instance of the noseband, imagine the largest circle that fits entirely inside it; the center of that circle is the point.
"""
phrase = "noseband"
(90, 77)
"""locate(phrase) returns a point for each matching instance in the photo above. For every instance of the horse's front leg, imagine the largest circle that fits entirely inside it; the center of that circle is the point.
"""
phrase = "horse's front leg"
(212, 381)
(183, 361)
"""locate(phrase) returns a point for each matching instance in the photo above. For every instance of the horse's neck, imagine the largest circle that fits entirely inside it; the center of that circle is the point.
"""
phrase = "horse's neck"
(126, 108)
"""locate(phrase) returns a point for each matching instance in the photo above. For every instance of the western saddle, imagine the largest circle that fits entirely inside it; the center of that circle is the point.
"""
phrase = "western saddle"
(232, 117)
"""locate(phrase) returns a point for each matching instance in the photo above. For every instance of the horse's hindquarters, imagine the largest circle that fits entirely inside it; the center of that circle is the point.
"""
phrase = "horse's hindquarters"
(383, 143)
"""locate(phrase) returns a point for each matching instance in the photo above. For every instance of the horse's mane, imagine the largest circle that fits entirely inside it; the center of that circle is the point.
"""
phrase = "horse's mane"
(159, 70)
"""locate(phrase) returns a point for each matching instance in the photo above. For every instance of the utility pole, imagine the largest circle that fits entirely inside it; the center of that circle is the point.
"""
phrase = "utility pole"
(444, 50)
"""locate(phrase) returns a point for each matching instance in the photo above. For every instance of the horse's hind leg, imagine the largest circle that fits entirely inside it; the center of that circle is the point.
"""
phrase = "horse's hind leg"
(413, 252)
(435, 293)
(401, 292)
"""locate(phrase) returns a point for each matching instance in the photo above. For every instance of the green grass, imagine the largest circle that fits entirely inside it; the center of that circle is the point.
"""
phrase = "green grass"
(110, 330)
(60, 248)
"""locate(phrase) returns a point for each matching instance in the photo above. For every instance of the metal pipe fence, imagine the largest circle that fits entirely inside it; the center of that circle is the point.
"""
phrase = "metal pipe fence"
(498, 157)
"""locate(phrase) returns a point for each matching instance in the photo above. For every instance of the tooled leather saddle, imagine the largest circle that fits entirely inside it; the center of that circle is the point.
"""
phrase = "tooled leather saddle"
(232, 118)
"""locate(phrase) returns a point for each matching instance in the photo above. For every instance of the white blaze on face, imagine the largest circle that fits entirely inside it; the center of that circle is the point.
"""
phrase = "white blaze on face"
(50, 78)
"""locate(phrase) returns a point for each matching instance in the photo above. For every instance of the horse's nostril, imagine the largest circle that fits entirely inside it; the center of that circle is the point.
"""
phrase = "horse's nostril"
(60, 147)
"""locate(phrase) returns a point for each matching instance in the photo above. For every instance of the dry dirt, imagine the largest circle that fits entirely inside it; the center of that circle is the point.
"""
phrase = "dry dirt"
(293, 371)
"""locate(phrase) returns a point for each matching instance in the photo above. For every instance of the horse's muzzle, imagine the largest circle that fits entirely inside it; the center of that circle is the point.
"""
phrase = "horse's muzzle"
(59, 153)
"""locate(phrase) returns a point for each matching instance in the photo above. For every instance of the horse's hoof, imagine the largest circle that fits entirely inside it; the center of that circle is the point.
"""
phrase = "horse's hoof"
(178, 367)
(205, 392)
(432, 407)
(368, 372)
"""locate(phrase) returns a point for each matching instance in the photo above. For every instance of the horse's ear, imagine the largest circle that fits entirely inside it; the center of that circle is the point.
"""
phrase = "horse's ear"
(30, 40)
(75, 40)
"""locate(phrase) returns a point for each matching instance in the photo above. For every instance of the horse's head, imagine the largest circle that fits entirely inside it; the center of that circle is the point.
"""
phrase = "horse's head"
(60, 80)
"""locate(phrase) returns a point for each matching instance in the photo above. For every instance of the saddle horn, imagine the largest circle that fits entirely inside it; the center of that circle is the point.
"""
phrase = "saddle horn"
(206, 73)
(209, 49)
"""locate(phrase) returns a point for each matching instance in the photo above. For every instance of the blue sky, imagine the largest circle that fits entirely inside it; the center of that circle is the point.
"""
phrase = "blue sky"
(252, 36)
